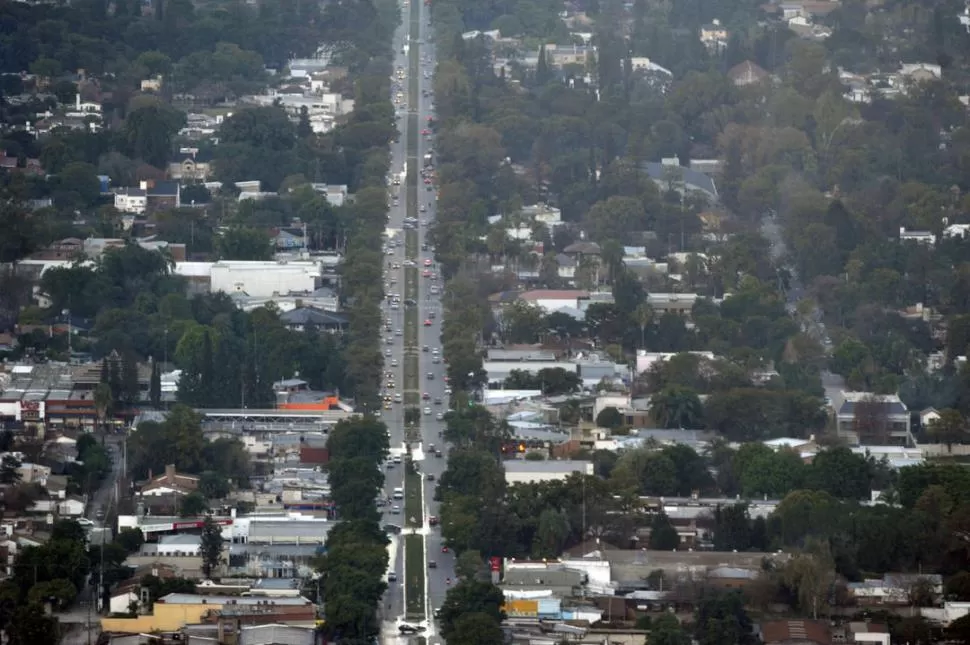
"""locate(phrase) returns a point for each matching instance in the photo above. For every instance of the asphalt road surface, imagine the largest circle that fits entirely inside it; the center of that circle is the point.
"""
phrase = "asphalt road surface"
(439, 578)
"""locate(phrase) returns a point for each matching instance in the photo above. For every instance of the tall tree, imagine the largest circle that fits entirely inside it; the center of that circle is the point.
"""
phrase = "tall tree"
(211, 549)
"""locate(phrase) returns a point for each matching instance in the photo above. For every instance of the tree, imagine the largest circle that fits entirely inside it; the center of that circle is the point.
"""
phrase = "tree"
(551, 534)
(240, 243)
(720, 618)
(10, 470)
(667, 630)
(470, 597)
(810, 575)
(663, 535)
(155, 385)
(130, 539)
(469, 564)
(31, 626)
(211, 548)
(949, 428)
(609, 417)
(676, 407)
(149, 132)
(193, 505)
(477, 629)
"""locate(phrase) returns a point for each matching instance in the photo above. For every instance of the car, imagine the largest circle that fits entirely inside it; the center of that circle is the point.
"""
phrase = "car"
(427, 410)
(430, 376)
(427, 322)
(394, 362)
(395, 510)
(426, 131)
(432, 564)
(432, 520)
(429, 477)
(425, 349)
(392, 528)
(448, 581)
(387, 353)
(387, 406)
(436, 612)
(398, 332)
(428, 262)
(448, 390)
(439, 417)
(436, 360)
(407, 629)
(423, 208)
(425, 396)
(444, 548)
(392, 577)
(426, 273)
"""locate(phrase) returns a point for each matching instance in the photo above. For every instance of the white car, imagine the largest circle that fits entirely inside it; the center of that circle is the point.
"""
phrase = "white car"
(393, 362)
(427, 410)
(440, 416)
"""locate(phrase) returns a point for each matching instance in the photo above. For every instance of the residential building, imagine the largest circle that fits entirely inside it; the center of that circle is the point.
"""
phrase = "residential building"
(171, 482)
(747, 73)
(714, 36)
(920, 237)
(336, 195)
(529, 472)
(263, 279)
(149, 197)
(668, 174)
(795, 632)
(672, 303)
(864, 417)
(301, 318)
(191, 165)
(894, 588)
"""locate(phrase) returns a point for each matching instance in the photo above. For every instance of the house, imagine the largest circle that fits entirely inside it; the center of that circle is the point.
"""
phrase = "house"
(795, 632)
(171, 482)
(149, 197)
(714, 36)
(861, 632)
(528, 472)
(894, 588)
(920, 237)
(864, 417)
(747, 73)
(190, 165)
(668, 174)
(644, 64)
(336, 195)
(301, 318)
(550, 300)
(672, 303)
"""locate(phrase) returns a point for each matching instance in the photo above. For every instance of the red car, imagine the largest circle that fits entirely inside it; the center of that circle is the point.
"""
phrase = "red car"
(427, 180)
(444, 549)
(427, 322)
(427, 262)
(426, 132)
(426, 396)
(426, 273)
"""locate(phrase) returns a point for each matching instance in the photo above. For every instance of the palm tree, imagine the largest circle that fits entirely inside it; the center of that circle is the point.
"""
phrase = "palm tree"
(102, 402)
(611, 253)
(676, 407)
(643, 316)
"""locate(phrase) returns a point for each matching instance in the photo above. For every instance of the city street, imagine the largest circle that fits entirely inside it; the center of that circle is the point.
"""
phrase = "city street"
(431, 367)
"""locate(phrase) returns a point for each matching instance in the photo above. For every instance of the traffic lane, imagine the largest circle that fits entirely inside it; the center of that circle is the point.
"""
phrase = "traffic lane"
(442, 577)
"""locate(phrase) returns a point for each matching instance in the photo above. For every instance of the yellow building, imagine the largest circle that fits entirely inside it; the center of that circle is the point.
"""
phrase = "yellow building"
(176, 610)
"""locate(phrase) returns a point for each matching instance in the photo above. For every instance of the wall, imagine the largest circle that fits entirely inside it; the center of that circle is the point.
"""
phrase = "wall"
(263, 279)
(164, 618)
(940, 449)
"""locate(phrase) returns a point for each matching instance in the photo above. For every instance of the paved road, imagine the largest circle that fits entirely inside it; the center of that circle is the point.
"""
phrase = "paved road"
(439, 578)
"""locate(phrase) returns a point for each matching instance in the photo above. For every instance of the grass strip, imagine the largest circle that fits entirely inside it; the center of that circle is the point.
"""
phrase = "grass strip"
(413, 498)
(414, 577)
(413, 510)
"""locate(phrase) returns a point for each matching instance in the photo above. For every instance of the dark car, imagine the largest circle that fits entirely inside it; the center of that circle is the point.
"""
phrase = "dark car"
(432, 564)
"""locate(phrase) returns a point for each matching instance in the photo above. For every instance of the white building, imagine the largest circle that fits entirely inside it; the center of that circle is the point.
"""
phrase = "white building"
(265, 279)
(131, 200)
(523, 471)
